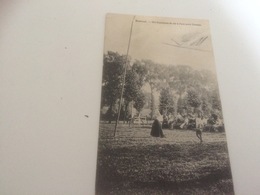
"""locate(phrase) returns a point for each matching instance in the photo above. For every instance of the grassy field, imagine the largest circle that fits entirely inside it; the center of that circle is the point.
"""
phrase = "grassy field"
(133, 162)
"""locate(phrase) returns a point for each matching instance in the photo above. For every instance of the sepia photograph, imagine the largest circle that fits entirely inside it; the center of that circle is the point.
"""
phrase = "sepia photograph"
(161, 127)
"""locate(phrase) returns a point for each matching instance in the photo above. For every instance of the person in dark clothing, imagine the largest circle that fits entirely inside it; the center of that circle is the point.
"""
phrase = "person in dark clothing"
(157, 129)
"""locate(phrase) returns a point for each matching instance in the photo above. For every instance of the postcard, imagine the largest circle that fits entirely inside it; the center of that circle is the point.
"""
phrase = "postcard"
(161, 124)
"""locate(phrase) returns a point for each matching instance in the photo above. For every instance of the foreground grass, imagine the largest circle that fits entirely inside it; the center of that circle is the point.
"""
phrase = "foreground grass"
(135, 163)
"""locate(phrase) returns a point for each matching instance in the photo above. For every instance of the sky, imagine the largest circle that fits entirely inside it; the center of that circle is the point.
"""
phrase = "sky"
(166, 41)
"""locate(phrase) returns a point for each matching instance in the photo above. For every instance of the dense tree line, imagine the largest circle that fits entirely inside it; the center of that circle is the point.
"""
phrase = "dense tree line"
(180, 87)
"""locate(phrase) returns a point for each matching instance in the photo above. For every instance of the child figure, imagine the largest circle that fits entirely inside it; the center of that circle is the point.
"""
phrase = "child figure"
(199, 126)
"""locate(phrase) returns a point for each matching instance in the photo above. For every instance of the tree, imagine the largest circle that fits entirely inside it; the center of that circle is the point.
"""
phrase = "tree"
(139, 102)
(141, 72)
(132, 89)
(206, 106)
(113, 68)
(180, 78)
(150, 73)
(193, 98)
(215, 101)
(166, 101)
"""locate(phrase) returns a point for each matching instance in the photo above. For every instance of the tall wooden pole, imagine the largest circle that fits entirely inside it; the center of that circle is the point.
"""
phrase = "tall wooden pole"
(123, 86)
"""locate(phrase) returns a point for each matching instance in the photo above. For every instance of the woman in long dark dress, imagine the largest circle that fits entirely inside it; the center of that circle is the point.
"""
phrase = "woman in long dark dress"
(157, 128)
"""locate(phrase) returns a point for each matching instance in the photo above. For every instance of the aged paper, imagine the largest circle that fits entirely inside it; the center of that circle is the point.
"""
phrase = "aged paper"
(161, 124)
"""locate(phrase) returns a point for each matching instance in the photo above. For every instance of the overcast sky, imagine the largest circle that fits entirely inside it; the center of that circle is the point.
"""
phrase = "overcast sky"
(162, 40)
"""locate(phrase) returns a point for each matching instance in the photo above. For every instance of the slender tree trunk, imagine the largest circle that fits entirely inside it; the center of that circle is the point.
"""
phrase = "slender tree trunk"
(110, 113)
(152, 103)
(126, 111)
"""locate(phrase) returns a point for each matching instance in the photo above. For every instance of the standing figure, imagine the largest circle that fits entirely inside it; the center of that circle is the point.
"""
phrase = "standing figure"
(171, 121)
(199, 126)
(131, 121)
(185, 123)
(199, 134)
(157, 126)
(165, 123)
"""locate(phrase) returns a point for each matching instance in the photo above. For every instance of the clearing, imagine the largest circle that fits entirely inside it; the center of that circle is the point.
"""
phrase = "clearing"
(133, 162)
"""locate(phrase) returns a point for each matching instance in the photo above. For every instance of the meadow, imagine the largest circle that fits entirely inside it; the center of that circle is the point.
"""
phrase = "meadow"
(133, 162)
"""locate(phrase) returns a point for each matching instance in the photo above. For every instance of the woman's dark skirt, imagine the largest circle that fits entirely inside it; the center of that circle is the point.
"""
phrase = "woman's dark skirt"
(157, 129)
